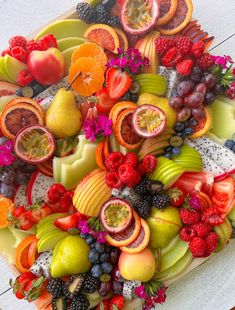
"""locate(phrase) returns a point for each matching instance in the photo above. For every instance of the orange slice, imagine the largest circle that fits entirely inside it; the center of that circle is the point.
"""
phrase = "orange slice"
(167, 11)
(24, 100)
(181, 18)
(93, 50)
(99, 155)
(119, 107)
(5, 207)
(90, 76)
(204, 124)
(22, 253)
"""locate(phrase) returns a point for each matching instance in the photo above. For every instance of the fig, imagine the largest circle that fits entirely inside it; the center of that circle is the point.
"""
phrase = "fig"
(116, 215)
(139, 16)
(34, 144)
(149, 121)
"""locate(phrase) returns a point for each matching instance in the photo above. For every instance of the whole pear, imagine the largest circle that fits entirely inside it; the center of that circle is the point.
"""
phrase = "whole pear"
(70, 256)
(63, 117)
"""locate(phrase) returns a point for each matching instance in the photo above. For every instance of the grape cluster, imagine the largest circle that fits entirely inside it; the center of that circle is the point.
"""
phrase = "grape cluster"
(194, 93)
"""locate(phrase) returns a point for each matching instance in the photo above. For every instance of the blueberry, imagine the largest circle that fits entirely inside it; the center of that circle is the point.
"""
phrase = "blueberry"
(229, 144)
(37, 88)
(176, 151)
(168, 155)
(108, 249)
(96, 271)
(84, 236)
(107, 267)
(188, 131)
(114, 255)
(186, 123)
(90, 240)
(104, 257)
(93, 256)
(100, 247)
(92, 246)
(181, 134)
(18, 92)
(169, 149)
(134, 97)
(125, 97)
(179, 127)
(193, 122)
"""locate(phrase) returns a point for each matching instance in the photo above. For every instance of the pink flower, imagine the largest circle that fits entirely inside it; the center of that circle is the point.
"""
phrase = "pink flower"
(83, 227)
(161, 296)
(194, 202)
(140, 292)
(6, 154)
(100, 236)
(96, 128)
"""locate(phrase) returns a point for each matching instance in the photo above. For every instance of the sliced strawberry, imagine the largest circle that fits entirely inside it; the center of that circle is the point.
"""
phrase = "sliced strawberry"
(19, 211)
(206, 178)
(223, 194)
(25, 224)
(117, 82)
(116, 302)
(67, 223)
(188, 185)
(35, 215)
(105, 103)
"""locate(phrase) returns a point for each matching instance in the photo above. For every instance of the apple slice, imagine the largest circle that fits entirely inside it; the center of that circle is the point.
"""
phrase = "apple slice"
(50, 219)
(4, 76)
(45, 229)
(13, 67)
(66, 43)
(49, 241)
(67, 56)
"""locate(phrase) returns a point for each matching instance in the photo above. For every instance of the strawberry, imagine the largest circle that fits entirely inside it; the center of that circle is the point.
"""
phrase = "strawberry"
(212, 216)
(177, 196)
(34, 288)
(21, 283)
(66, 201)
(35, 214)
(222, 195)
(25, 224)
(104, 305)
(189, 217)
(67, 223)
(105, 103)
(184, 67)
(116, 300)
(117, 83)
(172, 57)
(19, 211)
(55, 193)
(198, 247)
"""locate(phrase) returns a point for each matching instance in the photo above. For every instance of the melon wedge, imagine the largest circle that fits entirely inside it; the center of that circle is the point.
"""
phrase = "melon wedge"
(64, 44)
(4, 76)
(13, 67)
(7, 245)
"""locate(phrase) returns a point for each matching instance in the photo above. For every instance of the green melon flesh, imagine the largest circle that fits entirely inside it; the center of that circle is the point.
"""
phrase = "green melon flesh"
(4, 76)
(64, 44)
(13, 67)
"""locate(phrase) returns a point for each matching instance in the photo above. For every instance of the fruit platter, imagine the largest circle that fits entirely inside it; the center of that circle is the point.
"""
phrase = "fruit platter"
(116, 176)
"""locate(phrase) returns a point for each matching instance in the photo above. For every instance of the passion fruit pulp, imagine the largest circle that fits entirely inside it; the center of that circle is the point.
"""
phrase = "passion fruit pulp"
(34, 144)
(116, 215)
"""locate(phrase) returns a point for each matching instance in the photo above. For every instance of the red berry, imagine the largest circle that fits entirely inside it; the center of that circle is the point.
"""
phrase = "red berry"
(131, 159)
(184, 67)
(198, 49)
(114, 160)
(206, 61)
(198, 247)
(187, 233)
(149, 163)
(33, 46)
(202, 229)
(184, 44)
(6, 52)
(189, 217)
(177, 196)
(19, 53)
(24, 78)
(128, 175)
(112, 180)
(212, 241)
(66, 201)
(172, 57)
(55, 193)
(212, 216)
(163, 44)
(19, 295)
(17, 41)
(19, 211)
(48, 41)
(117, 301)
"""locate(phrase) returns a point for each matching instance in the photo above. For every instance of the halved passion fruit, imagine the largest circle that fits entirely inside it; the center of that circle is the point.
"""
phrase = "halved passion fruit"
(116, 215)
(167, 11)
(128, 235)
(34, 144)
(139, 16)
(149, 121)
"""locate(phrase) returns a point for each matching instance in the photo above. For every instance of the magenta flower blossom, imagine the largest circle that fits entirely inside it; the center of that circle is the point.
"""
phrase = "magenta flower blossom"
(194, 202)
(161, 296)
(100, 236)
(96, 128)
(83, 227)
(223, 61)
(140, 292)
(6, 154)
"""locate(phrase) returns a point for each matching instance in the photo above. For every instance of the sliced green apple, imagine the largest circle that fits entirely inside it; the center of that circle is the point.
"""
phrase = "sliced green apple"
(172, 244)
(4, 76)
(13, 67)
(67, 56)
(50, 219)
(231, 215)
(45, 229)
(66, 43)
(49, 241)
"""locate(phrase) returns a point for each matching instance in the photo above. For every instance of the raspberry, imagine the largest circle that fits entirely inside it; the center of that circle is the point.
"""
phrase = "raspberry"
(189, 217)
(212, 241)
(128, 175)
(163, 44)
(131, 159)
(66, 201)
(212, 216)
(184, 67)
(33, 46)
(55, 193)
(202, 229)
(172, 57)
(24, 78)
(148, 164)
(112, 180)
(114, 160)
(184, 44)
(187, 233)
(48, 41)
(6, 52)
(198, 247)
(206, 61)
(197, 49)
(19, 53)
(17, 41)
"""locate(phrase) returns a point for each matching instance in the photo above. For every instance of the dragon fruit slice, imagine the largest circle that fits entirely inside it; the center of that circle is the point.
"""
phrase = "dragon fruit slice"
(172, 77)
(221, 155)
(128, 289)
(127, 194)
(20, 196)
(41, 267)
(37, 187)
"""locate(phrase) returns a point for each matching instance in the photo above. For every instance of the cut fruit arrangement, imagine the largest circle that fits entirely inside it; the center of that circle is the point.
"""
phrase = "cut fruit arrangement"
(116, 177)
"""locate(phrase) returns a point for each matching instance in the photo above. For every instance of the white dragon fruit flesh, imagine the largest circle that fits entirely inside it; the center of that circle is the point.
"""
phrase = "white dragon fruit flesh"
(20, 196)
(127, 194)
(172, 77)
(128, 289)
(41, 267)
(221, 155)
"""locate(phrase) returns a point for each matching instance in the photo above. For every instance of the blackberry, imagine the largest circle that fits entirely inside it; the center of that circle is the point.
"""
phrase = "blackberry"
(59, 303)
(108, 4)
(144, 187)
(160, 201)
(73, 287)
(91, 284)
(55, 287)
(101, 14)
(80, 303)
(149, 198)
(156, 187)
(114, 21)
(86, 12)
(143, 208)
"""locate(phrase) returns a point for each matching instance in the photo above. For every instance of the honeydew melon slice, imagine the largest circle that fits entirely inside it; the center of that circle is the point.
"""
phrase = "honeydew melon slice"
(64, 28)
(13, 67)
(64, 44)
(4, 76)
(67, 56)
(19, 235)
(7, 245)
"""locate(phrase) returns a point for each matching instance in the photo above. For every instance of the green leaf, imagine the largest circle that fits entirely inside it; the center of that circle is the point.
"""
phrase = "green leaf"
(114, 307)
(38, 283)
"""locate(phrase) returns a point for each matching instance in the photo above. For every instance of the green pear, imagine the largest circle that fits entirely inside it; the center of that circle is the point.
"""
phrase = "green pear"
(164, 226)
(70, 256)
(63, 117)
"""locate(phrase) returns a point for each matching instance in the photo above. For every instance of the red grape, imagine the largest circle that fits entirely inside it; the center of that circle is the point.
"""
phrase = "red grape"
(199, 112)
(176, 103)
(185, 87)
(105, 288)
(201, 88)
(183, 115)
(194, 100)
(209, 98)
(210, 80)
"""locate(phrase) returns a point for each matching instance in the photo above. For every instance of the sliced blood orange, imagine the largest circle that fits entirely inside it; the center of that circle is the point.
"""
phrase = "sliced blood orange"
(90, 49)
(118, 108)
(16, 117)
(124, 131)
(203, 125)
(46, 167)
(122, 39)
(182, 17)
(7, 89)
(167, 11)
(141, 242)
(127, 236)
(86, 76)
(103, 35)
(18, 101)
(99, 155)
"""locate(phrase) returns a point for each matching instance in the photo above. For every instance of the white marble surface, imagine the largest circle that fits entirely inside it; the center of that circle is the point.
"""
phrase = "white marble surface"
(210, 286)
